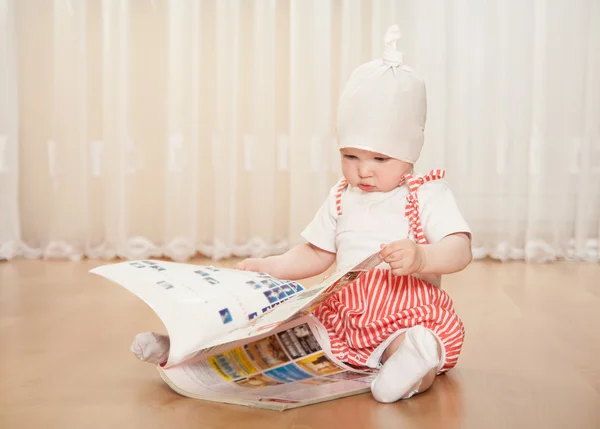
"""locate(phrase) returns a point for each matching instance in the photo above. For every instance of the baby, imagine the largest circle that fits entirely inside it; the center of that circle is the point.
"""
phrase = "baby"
(396, 317)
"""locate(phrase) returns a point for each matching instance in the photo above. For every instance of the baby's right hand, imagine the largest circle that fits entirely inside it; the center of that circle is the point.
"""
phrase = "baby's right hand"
(259, 265)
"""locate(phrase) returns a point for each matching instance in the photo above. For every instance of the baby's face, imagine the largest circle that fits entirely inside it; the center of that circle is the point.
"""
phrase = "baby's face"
(371, 171)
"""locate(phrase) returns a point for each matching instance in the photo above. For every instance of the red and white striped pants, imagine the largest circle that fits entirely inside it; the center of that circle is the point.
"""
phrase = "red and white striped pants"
(365, 313)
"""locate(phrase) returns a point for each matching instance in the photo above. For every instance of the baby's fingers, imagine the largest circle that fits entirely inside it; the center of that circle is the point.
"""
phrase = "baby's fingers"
(387, 250)
(391, 253)
(243, 265)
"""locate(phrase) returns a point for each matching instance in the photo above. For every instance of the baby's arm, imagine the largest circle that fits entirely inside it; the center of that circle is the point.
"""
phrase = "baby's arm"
(300, 262)
(449, 255)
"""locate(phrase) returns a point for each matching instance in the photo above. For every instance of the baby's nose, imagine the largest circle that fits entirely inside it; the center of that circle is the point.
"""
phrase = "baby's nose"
(364, 172)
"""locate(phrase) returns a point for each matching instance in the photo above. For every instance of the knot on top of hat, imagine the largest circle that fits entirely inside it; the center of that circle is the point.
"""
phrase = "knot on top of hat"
(391, 56)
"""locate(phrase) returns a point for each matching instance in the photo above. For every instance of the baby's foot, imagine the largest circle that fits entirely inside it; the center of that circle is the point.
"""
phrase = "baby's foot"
(401, 375)
(151, 347)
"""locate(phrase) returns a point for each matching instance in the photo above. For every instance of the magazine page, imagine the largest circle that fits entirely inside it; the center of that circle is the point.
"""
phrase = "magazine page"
(287, 368)
(301, 304)
(198, 304)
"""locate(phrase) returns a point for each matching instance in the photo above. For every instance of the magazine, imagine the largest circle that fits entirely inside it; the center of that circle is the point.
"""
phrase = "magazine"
(242, 337)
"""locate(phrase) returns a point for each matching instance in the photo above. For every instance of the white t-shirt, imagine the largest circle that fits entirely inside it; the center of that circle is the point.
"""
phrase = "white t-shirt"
(371, 218)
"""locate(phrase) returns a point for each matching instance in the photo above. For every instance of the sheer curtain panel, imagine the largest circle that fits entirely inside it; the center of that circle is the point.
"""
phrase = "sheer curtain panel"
(140, 129)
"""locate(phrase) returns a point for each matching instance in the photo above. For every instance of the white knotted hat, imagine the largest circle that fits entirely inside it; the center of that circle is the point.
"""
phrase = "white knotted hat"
(383, 107)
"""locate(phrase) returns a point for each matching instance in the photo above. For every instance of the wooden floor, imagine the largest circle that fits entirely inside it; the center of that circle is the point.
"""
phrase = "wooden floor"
(531, 357)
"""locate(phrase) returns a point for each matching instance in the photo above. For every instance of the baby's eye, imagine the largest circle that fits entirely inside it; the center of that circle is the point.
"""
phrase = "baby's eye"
(380, 159)
(349, 156)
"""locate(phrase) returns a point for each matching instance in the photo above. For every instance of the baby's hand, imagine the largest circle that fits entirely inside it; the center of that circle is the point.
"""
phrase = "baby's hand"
(405, 257)
(259, 265)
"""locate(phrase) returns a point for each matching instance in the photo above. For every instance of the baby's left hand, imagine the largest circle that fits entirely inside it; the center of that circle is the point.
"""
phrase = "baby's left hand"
(405, 257)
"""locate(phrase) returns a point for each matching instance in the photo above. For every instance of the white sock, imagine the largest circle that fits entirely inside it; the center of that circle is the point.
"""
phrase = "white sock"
(151, 347)
(401, 375)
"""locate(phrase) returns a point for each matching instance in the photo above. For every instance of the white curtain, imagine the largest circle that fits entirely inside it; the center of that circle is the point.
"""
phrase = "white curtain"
(139, 128)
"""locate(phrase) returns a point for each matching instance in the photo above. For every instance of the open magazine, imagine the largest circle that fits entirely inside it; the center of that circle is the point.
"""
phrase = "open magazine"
(241, 337)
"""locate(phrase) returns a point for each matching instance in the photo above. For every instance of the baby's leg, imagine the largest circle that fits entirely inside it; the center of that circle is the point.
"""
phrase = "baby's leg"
(151, 347)
(410, 364)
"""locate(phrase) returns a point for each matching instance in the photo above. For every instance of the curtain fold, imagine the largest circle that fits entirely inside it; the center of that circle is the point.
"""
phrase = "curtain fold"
(10, 223)
(169, 127)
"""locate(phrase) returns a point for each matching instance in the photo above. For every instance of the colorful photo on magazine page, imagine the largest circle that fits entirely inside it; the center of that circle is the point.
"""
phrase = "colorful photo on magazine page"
(232, 364)
(299, 341)
(266, 353)
(288, 373)
(257, 381)
(319, 364)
